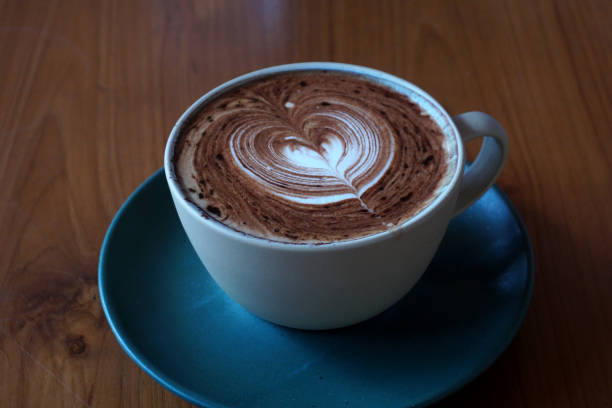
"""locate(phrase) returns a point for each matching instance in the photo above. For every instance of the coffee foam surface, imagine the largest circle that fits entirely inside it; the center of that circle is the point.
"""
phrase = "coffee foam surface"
(312, 158)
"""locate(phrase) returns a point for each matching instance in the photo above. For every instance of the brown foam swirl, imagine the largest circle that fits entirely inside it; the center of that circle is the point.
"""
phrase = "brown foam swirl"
(321, 156)
(310, 157)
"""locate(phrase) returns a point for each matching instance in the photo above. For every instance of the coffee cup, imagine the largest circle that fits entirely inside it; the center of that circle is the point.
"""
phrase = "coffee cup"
(335, 284)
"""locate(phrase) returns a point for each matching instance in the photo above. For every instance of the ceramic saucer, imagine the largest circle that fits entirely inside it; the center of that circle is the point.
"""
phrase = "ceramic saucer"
(173, 321)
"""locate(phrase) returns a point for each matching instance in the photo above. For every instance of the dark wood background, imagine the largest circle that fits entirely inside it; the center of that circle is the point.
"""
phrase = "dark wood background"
(89, 91)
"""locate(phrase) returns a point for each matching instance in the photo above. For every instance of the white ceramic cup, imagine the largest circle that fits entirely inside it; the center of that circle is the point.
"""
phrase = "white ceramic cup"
(333, 285)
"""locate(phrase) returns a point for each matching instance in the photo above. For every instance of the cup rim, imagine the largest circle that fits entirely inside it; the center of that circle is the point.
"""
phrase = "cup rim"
(372, 73)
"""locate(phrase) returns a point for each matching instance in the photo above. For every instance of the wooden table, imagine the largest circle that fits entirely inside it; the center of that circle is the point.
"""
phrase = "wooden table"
(89, 91)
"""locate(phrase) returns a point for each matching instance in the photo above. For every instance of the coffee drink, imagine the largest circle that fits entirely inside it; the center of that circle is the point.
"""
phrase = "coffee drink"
(316, 194)
(312, 157)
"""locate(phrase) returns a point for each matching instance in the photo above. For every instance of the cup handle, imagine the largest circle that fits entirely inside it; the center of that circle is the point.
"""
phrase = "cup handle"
(484, 171)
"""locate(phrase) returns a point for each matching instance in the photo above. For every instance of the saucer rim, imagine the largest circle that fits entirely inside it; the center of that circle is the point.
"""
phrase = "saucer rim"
(200, 400)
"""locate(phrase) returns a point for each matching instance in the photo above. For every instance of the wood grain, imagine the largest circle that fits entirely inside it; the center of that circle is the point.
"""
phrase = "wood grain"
(89, 91)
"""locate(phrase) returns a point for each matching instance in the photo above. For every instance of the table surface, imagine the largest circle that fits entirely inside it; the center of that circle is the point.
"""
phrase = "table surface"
(89, 91)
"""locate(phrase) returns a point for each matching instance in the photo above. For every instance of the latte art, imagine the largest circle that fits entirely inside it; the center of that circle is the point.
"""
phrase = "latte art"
(311, 157)
(331, 154)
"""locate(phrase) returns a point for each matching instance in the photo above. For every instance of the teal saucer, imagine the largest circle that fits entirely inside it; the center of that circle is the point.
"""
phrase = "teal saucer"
(173, 320)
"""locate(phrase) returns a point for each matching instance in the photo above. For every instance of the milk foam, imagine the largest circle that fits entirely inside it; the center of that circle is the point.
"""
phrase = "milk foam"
(314, 158)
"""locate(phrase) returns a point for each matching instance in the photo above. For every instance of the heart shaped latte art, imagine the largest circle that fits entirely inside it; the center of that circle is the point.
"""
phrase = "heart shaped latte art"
(332, 154)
